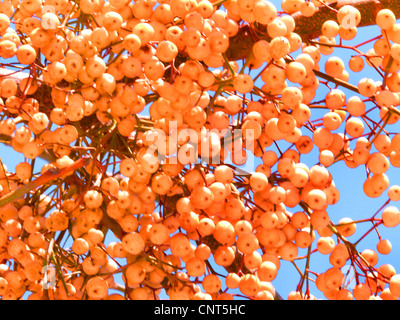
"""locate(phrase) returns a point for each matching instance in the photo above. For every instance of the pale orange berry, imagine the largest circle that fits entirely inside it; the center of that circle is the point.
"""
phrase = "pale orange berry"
(346, 227)
(195, 267)
(394, 193)
(339, 255)
(387, 295)
(211, 283)
(224, 256)
(394, 285)
(367, 87)
(390, 216)
(325, 245)
(166, 51)
(370, 256)
(331, 120)
(80, 246)
(361, 291)
(333, 278)
(334, 66)
(133, 243)
(335, 99)
(303, 238)
(384, 246)
(330, 28)
(247, 243)
(224, 232)
(249, 285)
(288, 251)
(385, 19)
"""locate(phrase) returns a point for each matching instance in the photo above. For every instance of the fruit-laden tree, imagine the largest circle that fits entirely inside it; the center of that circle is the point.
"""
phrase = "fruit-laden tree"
(135, 120)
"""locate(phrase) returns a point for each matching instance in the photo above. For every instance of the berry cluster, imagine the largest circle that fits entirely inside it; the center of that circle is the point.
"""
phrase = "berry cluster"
(144, 112)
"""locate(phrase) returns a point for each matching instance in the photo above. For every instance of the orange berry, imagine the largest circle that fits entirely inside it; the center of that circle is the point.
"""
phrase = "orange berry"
(390, 216)
(267, 271)
(384, 246)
